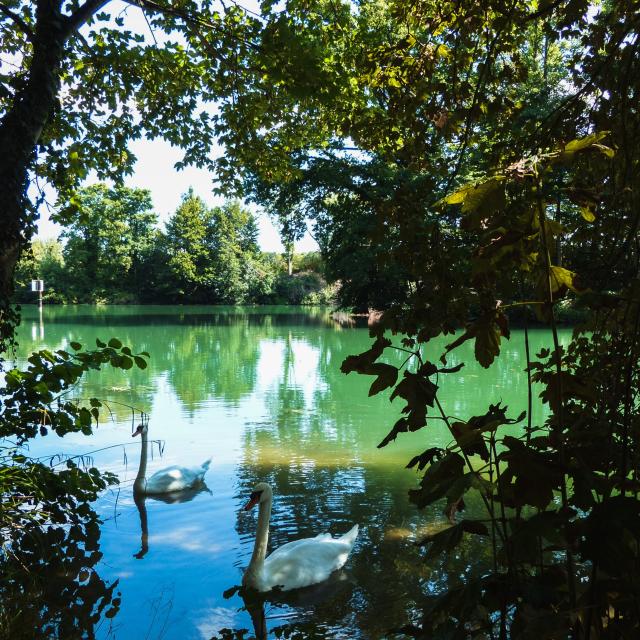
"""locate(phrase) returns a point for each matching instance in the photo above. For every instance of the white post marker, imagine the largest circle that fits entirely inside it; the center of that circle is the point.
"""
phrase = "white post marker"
(38, 285)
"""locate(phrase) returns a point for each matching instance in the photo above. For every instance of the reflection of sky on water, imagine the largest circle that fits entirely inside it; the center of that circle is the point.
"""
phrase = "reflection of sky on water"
(261, 393)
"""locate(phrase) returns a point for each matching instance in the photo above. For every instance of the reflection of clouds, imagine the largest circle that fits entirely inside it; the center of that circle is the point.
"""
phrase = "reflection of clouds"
(186, 538)
(302, 360)
(215, 619)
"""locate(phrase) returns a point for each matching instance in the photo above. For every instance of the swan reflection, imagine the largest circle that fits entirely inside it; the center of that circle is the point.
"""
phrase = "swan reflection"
(175, 497)
(295, 609)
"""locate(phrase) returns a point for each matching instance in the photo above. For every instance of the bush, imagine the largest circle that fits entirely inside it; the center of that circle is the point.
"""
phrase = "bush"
(306, 287)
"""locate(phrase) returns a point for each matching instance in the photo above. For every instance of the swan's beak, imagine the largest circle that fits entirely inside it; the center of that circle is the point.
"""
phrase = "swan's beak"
(137, 432)
(254, 498)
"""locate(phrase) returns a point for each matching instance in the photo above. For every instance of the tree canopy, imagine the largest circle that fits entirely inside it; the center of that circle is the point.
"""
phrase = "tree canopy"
(492, 145)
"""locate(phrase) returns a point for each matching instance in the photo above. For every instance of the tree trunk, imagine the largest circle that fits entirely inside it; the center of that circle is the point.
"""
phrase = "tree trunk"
(20, 131)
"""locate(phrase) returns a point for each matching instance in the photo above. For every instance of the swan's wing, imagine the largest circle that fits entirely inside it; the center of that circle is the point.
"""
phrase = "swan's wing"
(305, 562)
(290, 546)
(173, 478)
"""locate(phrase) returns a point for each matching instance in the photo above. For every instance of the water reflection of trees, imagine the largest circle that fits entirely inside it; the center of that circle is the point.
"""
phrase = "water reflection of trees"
(310, 452)
(50, 587)
(315, 446)
(204, 352)
(213, 353)
(386, 569)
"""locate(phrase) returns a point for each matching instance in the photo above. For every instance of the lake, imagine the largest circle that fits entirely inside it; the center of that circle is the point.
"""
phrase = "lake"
(259, 390)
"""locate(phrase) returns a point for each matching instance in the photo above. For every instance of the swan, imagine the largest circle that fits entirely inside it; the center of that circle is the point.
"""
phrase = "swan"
(172, 478)
(296, 564)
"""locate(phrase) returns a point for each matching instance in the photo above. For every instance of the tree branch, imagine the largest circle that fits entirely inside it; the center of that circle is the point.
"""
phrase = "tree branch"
(551, 7)
(18, 20)
(82, 14)
(158, 8)
(189, 19)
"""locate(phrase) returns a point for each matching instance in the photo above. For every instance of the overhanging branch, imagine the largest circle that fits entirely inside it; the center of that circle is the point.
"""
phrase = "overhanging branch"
(159, 8)
(188, 18)
(24, 27)
(82, 14)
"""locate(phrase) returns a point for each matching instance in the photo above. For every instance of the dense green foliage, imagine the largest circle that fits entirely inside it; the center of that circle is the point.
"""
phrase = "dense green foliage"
(49, 533)
(115, 252)
(81, 79)
(492, 146)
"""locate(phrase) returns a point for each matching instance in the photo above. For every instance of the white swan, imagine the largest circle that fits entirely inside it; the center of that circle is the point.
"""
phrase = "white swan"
(172, 478)
(296, 564)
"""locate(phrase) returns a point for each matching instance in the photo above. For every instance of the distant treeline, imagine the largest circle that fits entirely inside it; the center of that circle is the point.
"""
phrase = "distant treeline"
(116, 253)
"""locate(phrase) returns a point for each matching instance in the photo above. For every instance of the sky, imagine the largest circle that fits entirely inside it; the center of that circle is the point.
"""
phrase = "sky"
(155, 171)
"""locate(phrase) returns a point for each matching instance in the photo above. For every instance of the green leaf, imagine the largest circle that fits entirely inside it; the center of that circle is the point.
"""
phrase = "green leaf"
(469, 439)
(114, 343)
(561, 279)
(447, 540)
(438, 480)
(41, 388)
(387, 377)
(443, 541)
(100, 344)
(588, 143)
(76, 346)
(141, 362)
(587, 213)
(580, 144)
(360, 363)
(425, 458)
(488, 194)
(487, 345)
(531, 477)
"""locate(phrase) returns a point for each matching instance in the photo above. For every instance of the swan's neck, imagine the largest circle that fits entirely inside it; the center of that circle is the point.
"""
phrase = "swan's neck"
(140, 500)
(139, 482)
(260, 546)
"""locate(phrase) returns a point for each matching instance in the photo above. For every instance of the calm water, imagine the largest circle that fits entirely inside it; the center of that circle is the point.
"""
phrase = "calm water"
(260, 391)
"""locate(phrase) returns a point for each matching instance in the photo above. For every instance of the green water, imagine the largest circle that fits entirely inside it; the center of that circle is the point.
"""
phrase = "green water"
(260, 391)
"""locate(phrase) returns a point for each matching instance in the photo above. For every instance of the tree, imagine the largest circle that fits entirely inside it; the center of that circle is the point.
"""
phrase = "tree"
(493, 173)
(86, 79)
(190, 247)
(107, 246)
(236, 255)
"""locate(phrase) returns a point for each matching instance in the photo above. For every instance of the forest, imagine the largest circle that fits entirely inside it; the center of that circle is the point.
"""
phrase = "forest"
(465, 165)
(118, 254)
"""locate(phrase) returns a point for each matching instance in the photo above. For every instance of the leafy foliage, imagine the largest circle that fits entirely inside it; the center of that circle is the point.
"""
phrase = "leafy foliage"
(49, 532)
(116, 253)
(487, 152)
